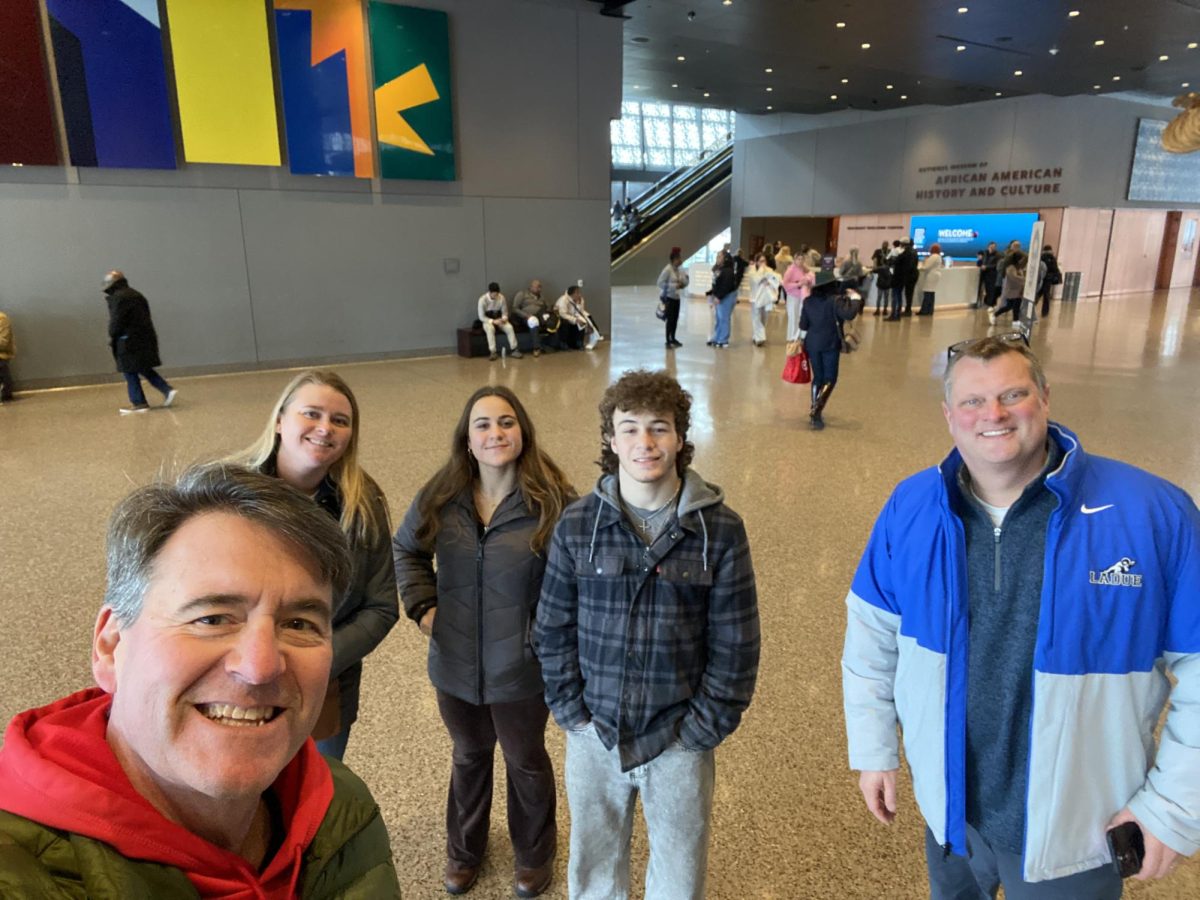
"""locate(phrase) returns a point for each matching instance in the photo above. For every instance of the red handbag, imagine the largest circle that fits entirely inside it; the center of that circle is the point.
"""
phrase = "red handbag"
(797, 369)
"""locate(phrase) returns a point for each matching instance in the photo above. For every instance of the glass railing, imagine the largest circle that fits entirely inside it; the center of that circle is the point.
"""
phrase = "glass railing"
(670, 194)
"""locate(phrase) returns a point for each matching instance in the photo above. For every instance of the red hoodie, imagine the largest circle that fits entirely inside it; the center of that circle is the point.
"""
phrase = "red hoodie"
(57, 769)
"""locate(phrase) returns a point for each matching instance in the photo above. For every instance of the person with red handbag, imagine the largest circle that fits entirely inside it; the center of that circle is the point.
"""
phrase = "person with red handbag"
(822, 338)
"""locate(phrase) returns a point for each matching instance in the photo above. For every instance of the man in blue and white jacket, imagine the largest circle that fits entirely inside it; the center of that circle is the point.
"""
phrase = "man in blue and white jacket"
(1015, 613)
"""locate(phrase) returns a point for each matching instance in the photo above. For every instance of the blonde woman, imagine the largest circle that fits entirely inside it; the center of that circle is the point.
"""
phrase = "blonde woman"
(485, 518)
(797, 282)
(311, 442)
(931, 267)
(783, 259)
(764, 291)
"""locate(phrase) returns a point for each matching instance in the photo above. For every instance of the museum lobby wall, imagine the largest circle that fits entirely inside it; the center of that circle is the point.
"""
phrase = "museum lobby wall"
(249, 266)
(1066, 158)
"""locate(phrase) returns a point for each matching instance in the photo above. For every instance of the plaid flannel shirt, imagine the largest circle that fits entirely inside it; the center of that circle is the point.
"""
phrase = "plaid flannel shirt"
(652, 644)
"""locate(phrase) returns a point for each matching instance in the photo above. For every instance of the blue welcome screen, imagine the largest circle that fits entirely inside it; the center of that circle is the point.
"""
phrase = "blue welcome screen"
(963, 236)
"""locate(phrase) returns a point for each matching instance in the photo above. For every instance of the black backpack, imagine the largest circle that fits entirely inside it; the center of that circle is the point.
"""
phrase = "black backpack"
(1053, 272)
(848, 306)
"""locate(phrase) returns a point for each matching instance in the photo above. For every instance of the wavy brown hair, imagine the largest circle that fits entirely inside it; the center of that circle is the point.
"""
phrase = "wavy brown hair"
(357, 489)
(642, 391)
(544, 487)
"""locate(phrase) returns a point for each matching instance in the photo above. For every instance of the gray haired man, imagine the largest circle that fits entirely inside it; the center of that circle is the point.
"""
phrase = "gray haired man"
(189, 770)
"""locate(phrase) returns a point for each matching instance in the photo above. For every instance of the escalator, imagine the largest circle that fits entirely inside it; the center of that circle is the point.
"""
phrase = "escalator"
(690, 199)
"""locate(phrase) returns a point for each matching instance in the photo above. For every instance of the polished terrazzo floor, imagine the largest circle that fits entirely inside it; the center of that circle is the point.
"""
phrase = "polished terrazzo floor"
(788, 822)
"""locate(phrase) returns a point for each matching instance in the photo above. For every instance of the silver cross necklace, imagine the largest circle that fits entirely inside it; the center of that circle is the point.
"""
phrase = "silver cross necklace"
(646, 524)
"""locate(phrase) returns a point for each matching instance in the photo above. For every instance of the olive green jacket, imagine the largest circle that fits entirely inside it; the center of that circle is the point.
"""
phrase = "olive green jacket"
(8, 347)
(349, 858)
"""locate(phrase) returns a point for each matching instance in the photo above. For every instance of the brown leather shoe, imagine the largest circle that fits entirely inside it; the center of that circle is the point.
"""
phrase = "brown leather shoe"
(531, 882)
(459, 878)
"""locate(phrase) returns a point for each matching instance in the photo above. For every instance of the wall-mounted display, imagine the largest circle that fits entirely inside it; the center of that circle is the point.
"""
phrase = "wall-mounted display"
(1160, 175)
(321, 47)
(962, 236)
(26, 114)
(414, 112)
(223, 81)
(108, 55)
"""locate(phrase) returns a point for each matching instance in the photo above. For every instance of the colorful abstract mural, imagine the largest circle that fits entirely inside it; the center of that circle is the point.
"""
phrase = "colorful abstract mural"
(108, 55)
(414, 112)
(223, 81)
(26, 113)
(321, 47)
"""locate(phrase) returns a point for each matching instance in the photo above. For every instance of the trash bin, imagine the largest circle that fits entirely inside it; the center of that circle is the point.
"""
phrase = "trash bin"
(1070, 289)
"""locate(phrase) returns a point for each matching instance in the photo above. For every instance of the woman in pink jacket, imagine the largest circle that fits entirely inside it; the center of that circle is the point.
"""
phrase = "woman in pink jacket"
(797, 282)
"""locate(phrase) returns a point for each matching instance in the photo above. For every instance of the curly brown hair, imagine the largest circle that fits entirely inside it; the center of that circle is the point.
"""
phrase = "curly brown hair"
(639, 391)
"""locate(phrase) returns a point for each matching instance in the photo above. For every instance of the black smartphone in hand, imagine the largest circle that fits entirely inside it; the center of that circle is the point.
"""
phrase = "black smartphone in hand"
(1128, 848)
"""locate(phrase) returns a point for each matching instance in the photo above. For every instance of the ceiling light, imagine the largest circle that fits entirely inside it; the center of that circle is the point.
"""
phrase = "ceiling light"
(1095, 87)
(833, 96)
(866, 46)
(1192, 45)
(1186, 84)
(841, 24)
(961, 10)
(681, 58)
(889, 87)
(727, 2)
(768, 70)
(1073, 13)
(1054, 51)
(845, 81)
(1163, 58)
(1018, 73)
(904, 96)
(961, 47)
(769, 108)
(770, 89)
(706, 94)
(637, 87)
(1099, 43)
(674, 85)
(999, 94)
(1116, 78)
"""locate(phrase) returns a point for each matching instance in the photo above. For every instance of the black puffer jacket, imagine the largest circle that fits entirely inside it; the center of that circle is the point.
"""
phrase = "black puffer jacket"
(486, 590)
(131, 333)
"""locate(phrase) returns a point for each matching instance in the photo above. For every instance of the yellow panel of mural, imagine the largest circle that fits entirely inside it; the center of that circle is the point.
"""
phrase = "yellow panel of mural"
(222, 61)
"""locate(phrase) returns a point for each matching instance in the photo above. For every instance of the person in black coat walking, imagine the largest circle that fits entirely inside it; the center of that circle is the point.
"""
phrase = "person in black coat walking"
(134, 342)
(820, 323)
(1052, 277)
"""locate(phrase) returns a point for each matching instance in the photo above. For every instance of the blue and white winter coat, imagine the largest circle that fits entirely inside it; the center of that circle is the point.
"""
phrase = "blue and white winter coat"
(1120, 606)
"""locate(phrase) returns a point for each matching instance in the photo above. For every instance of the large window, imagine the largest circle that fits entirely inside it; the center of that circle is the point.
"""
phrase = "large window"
(663, 136)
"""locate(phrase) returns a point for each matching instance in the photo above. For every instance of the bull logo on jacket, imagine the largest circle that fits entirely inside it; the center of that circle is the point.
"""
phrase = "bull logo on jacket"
(1118, 574)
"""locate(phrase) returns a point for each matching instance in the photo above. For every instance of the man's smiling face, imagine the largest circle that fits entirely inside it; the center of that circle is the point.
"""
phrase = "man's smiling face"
(220, 678)
(997, 415)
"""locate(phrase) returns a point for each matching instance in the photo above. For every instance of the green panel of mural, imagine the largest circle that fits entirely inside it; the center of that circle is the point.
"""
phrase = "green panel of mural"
(414, 112)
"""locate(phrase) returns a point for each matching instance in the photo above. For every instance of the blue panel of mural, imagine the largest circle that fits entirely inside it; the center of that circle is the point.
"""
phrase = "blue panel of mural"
(109, 60)
(316, 100)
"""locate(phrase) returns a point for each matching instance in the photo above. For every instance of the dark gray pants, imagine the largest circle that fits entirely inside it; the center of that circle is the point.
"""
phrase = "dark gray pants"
(520, 728)
(980, 875)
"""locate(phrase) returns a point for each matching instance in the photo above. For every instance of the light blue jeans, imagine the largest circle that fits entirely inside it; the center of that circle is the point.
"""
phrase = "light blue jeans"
(335, 746)
(724, 316)
(677, 791)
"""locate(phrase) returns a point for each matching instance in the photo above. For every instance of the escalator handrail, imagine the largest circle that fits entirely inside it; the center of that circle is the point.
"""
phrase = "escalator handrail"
(667, 190)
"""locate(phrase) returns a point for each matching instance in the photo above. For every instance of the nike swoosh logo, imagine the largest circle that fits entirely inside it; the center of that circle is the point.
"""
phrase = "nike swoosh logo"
(1087, 511)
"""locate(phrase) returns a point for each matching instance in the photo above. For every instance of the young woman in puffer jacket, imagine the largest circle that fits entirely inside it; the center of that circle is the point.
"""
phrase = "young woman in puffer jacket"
(486, 518)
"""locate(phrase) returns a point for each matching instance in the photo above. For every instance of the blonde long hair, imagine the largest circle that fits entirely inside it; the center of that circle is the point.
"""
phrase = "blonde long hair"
(356, 488)
(544, 488)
